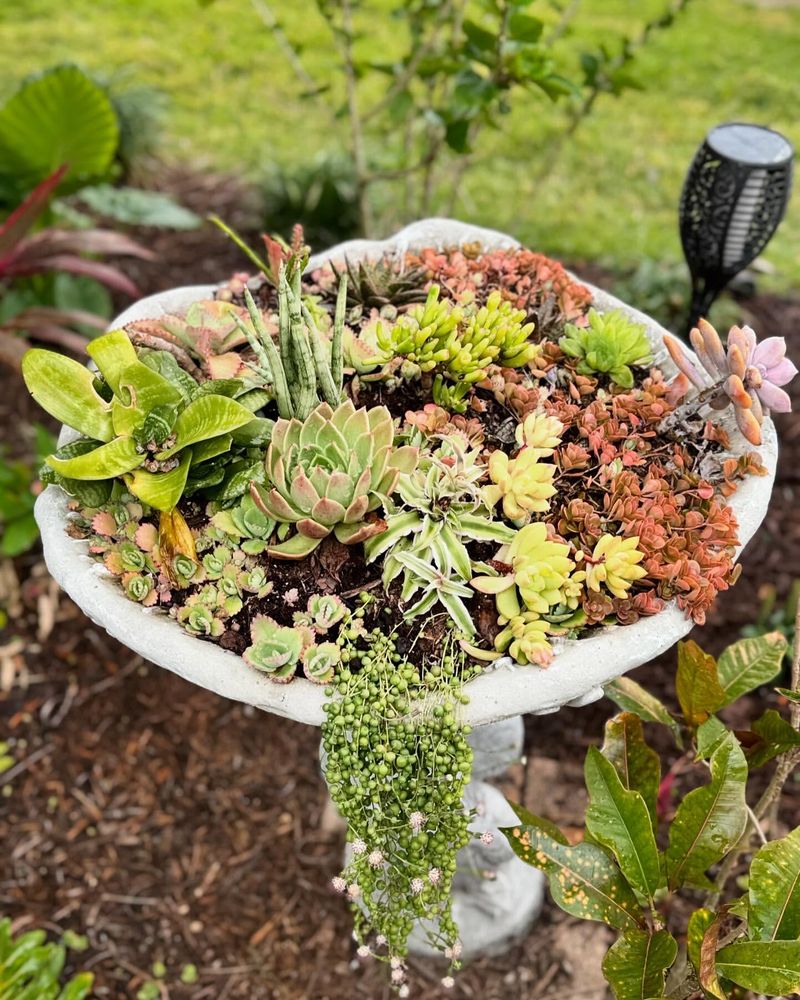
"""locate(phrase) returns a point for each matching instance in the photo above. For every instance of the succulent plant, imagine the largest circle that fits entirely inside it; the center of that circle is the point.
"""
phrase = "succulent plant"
(320, 662)
(610, 344)
(459, 341)
(539, 574)
(746, 374)
(326, 473)
(246, 522)
(439, 510)
(539, 433)
(149, 433)
(303, 367)
(205, 340)
(524, 484)
(324, 611)
(274, 648)
(525, 639)
(206, 612)
(374, 283)
(613, 563)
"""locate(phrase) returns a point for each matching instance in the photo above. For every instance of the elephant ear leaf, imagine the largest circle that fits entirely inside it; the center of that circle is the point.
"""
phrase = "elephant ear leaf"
(710, 819)
(636, 964)
(774, 893)
(65, 388)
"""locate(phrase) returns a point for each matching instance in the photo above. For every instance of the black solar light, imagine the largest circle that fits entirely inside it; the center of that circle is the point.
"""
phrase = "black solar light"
(734, 196)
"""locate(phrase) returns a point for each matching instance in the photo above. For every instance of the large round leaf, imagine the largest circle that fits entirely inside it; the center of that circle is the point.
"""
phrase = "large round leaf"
(59, 116)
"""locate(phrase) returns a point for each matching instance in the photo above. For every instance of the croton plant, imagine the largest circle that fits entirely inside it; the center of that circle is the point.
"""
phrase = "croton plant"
(383, 475)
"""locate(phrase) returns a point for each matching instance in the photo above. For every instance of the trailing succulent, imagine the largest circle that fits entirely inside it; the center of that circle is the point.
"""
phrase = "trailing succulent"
(381, 475)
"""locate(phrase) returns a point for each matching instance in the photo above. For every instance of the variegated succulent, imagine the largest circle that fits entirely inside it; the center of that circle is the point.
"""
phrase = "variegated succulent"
(326, 474)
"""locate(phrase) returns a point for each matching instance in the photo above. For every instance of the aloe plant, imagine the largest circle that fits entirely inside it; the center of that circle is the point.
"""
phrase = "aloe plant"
(149, 432)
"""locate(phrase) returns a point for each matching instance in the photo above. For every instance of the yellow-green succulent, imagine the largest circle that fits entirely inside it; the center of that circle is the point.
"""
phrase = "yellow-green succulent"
(525, 639)
(524, 484)
(540, 433)
(540, 574)
(614, 564)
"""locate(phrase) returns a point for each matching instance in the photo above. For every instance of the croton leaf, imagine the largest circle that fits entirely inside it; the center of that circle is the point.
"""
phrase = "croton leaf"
(635, 965)
(774, 736)
(710, 819)
(632, 697)
(619, 819)
(637, 765)
(774, 890)
(701, 946)
(584, 880)
(749, 663)
(697, 684)
(65, 389)
(771, 967)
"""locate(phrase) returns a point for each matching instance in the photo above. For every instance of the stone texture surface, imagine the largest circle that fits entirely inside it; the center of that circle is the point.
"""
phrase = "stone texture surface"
(580, 667)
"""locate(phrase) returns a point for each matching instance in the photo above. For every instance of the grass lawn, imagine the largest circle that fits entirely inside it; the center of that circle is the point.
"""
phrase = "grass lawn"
(612, 197)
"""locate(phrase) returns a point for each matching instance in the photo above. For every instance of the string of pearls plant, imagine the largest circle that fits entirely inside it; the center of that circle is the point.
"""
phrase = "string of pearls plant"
(397, 760)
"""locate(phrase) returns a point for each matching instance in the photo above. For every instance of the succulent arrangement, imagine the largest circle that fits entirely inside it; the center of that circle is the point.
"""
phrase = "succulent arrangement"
(381, 475)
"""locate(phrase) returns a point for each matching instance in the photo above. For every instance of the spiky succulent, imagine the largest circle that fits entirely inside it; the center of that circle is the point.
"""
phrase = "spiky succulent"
(276, 649)
(744, 373)
(438, 511)
(614, 564)
(151, 430)
(328, 472)
(539, 574)
(609, 345)
(372, 284)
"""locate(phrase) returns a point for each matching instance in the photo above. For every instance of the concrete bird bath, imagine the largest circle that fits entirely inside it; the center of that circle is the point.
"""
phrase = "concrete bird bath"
(496, 896)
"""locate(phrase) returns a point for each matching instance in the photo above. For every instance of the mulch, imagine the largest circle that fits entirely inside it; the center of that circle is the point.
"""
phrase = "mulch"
(170, 825)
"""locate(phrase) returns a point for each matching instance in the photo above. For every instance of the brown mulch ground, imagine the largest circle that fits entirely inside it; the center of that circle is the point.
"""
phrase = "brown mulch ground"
(170, 825)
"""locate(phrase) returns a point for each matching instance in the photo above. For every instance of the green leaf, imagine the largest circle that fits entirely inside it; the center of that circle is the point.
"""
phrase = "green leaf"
(59, 116)
(531, 819)
(106, 462)
(66, 390)
(709, 736)
(699, 922)
(710, 820)
(584, 881)
(161, 490)
(524, 28)
(619, 820)
(776, 736)
(635, 965)
(637, 765)
(793, 696)
(113, 353)
(701, 948)
(479, 37)
(771, 967)
(18, 536)
(134, 207)
(697, 684)
(632, 697)
(774, 890)
(749, 663)
(207, 417)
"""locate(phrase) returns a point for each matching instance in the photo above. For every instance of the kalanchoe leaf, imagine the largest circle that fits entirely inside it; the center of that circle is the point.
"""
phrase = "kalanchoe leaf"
(320, 661)
(274, 649)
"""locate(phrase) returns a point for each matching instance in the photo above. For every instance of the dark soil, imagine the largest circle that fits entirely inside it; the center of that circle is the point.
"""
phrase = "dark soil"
(170, 825)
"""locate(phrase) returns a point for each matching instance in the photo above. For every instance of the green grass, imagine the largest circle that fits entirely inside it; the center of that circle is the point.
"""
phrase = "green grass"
(235, 104)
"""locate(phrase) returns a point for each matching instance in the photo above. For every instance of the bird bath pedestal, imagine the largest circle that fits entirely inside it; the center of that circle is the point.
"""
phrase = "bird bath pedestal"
(497, 896)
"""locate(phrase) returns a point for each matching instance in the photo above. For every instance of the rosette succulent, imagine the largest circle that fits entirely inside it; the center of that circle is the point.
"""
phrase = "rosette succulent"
(609, 345)
(327, 473)
(539, 574)
(524, 484)
(613, 563)
(276, 649)
(744, 373)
